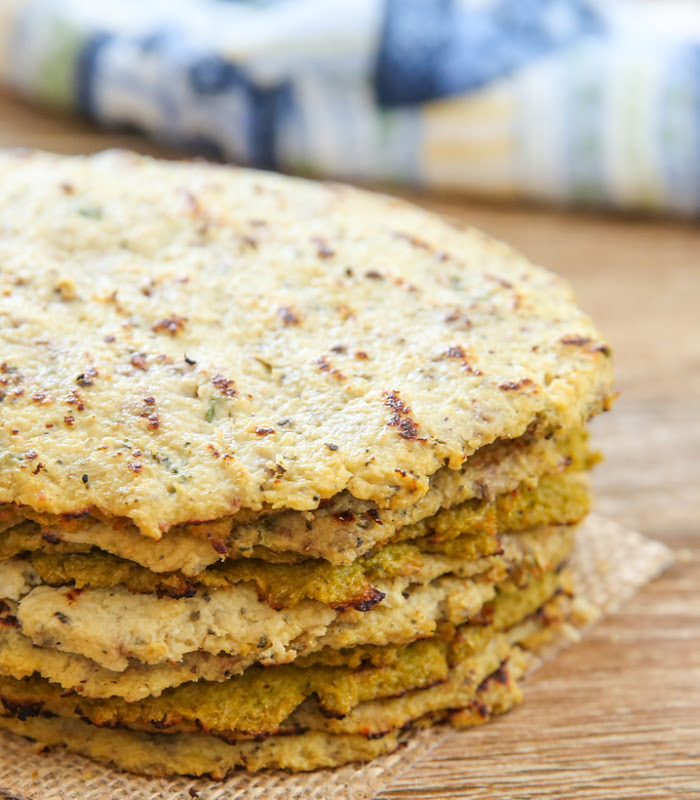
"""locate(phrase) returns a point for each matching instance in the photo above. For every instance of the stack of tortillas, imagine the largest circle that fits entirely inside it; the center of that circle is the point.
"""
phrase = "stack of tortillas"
(286, 469)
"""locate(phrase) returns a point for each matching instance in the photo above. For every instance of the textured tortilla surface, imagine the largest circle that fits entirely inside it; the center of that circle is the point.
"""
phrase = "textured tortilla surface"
(111, 625)
(198, 754)
(146, 374)
(340, 532)
(21, 658)
(287, 468)
(258, 701)
(407, 619)
(458, 535)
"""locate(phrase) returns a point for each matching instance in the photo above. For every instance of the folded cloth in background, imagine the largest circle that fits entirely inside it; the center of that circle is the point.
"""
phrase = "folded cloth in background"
(557, 100)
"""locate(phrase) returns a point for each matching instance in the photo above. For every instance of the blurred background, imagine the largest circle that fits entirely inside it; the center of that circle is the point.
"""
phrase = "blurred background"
(584, 102)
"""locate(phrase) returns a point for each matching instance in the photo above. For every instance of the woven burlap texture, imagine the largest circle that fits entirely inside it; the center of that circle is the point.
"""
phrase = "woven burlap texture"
(610, 563)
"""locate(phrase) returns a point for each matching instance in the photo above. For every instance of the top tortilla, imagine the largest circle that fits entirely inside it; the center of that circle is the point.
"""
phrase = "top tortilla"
(180, 342)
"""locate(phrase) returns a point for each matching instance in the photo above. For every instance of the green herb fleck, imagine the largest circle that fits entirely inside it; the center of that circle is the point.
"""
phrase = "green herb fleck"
(91, 212)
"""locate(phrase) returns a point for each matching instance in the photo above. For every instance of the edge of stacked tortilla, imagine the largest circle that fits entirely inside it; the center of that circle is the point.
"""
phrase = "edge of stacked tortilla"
(277, 518)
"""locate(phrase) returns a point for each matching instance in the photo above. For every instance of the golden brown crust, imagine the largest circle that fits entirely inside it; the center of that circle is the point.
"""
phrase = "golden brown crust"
(178, 349)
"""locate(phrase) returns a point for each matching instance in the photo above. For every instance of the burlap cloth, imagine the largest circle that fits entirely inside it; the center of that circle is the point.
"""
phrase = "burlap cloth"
(610, 564)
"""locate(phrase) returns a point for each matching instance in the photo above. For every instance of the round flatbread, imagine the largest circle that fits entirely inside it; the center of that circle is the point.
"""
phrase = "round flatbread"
(183, 342)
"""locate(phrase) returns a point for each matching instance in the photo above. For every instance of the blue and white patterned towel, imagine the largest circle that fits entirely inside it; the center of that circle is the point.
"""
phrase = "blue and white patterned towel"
(594, 101)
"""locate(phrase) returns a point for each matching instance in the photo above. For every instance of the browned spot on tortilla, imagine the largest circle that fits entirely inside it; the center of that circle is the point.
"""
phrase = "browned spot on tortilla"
(224, 385)
(173, 325)
(511, 386)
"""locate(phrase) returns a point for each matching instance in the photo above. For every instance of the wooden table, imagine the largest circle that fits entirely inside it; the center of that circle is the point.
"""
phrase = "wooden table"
(618, 715)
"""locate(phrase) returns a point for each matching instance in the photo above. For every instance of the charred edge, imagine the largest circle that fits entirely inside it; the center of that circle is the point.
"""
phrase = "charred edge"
(22, 710)
(379, 735)
(81, 514)
(478, 708)
(109, 724)
(499, 675)
(329, 714)
(373, 598)
(373, 514)
(177, 592)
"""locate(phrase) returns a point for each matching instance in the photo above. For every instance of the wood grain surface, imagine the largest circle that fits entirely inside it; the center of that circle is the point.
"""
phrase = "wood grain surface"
(617, 715)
